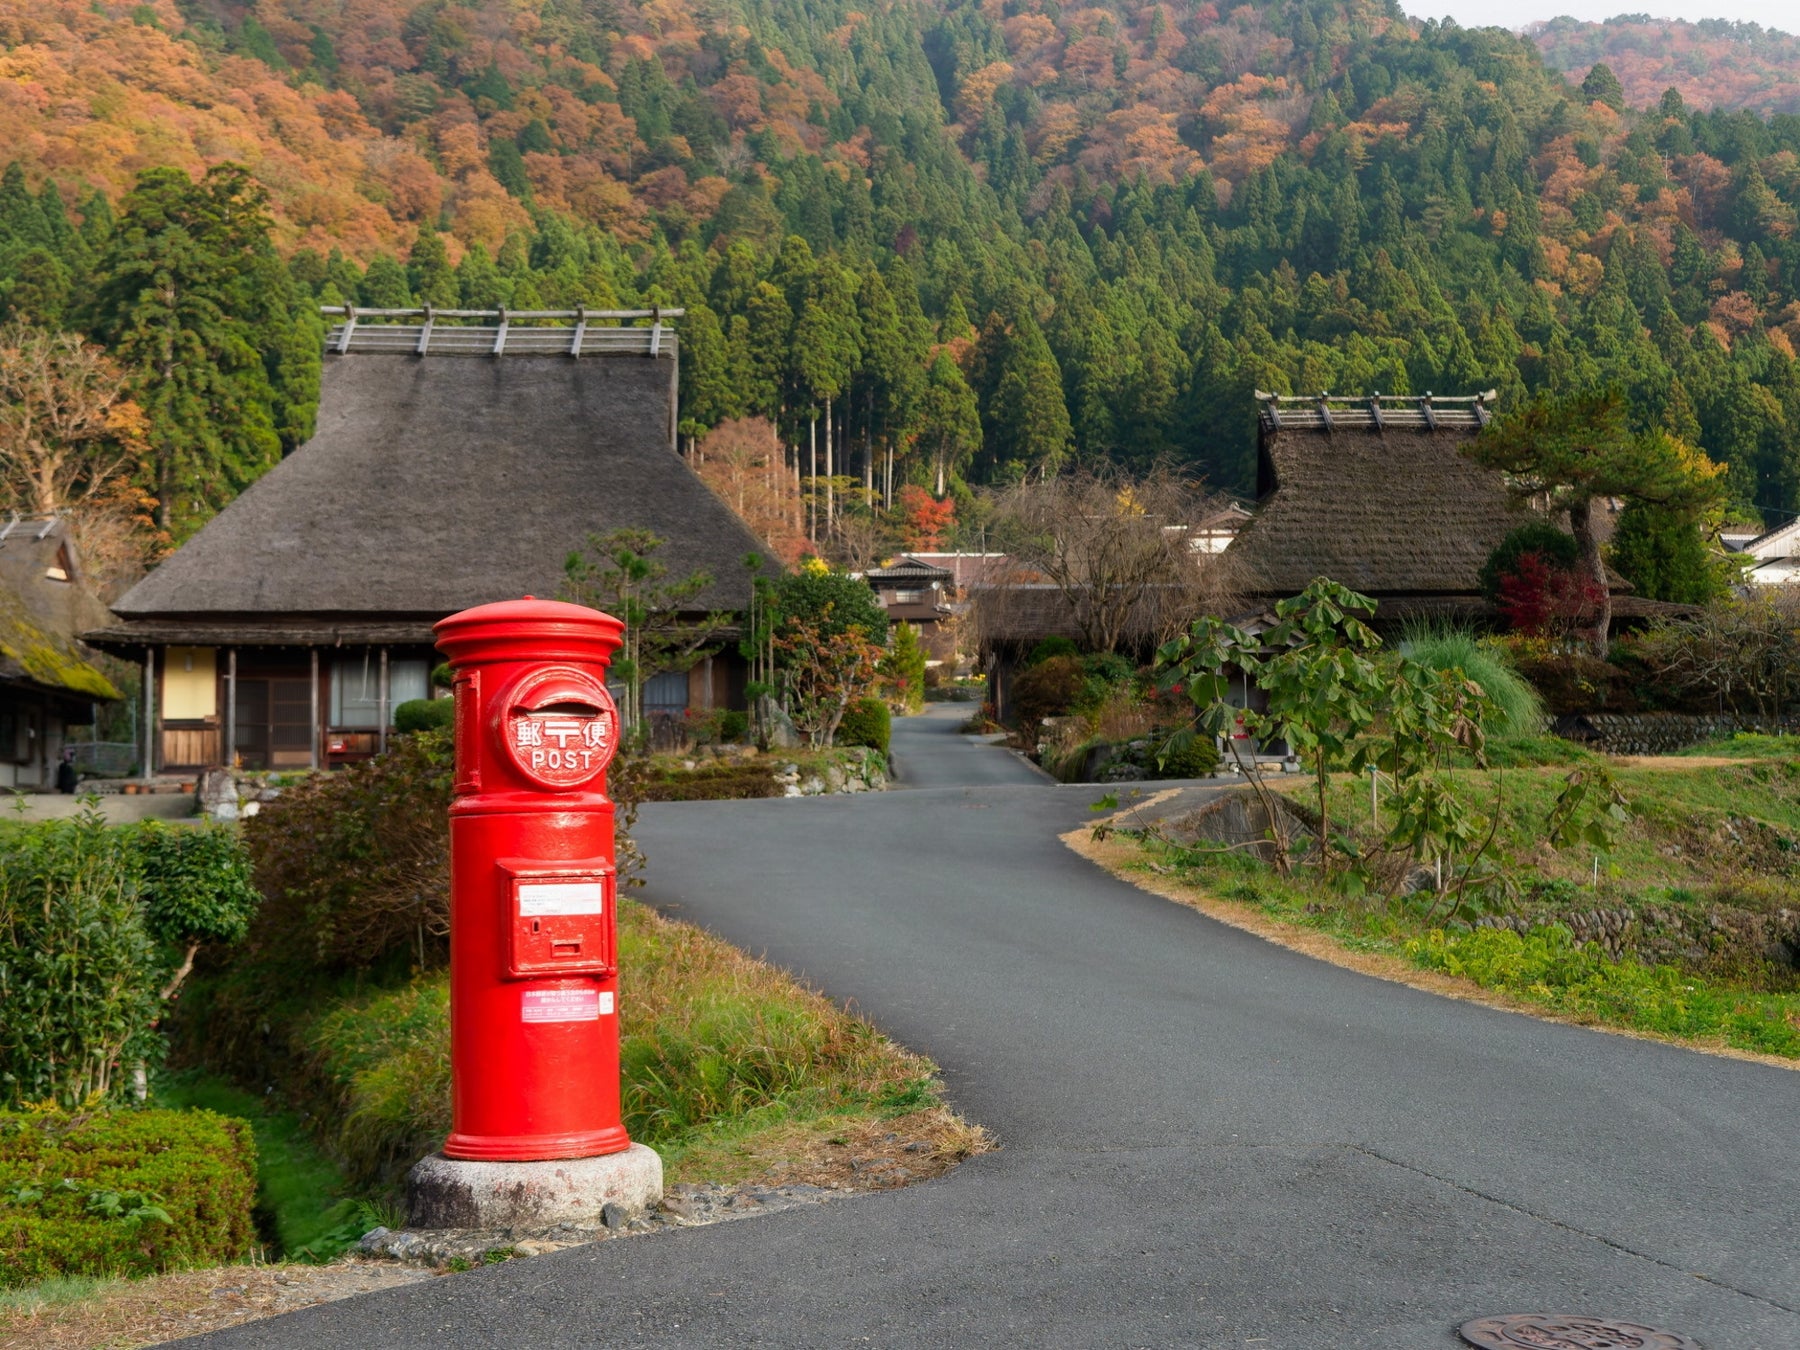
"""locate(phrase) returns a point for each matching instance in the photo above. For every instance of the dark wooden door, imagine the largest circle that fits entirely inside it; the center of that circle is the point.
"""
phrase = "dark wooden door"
(274, 723)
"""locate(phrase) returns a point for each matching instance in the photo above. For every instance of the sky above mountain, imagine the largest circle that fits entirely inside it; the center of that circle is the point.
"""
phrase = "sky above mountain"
(1517, 14)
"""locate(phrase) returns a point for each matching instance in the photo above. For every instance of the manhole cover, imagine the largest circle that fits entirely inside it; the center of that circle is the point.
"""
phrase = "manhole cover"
(1566, 1331)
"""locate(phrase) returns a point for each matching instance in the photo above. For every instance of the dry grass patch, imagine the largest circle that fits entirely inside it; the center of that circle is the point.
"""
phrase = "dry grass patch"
(853, 1153)
(121, 1314)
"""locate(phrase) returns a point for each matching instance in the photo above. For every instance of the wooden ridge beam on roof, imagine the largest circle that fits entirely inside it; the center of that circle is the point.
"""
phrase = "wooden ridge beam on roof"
(1329, 412)
(426, 311)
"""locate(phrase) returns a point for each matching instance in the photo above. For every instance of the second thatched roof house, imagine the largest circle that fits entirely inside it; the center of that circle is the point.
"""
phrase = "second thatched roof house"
(48, 680)
(1375, 493)
(455, 463)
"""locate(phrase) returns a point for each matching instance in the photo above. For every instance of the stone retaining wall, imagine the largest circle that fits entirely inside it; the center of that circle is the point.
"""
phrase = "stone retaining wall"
(1662, 733)
(1666, 933)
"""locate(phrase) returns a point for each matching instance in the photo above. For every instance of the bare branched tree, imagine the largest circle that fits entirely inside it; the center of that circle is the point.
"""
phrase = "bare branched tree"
(1115, 560)
(68, 431)
(1743, 651)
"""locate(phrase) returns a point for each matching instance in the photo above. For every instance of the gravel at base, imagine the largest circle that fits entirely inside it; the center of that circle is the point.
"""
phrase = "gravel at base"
(684, 1206)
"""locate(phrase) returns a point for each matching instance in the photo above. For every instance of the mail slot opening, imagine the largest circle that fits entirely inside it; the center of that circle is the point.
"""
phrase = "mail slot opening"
(571, 708)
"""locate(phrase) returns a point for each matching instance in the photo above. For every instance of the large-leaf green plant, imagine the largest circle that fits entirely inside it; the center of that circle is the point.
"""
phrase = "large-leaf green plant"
(1343, 704)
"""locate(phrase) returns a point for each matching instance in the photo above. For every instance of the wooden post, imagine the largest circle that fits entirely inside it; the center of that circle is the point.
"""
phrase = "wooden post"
(230, 756)
(149, 711)
(383, 696)
(318, 732)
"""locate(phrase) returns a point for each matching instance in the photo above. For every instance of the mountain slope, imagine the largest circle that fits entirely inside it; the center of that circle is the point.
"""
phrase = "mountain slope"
(977, 236)
(1714, 63)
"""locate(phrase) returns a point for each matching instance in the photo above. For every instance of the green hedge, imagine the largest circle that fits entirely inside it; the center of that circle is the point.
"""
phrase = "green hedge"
(866, 722)
(425, 714)
(710, 783)
(122, 1193)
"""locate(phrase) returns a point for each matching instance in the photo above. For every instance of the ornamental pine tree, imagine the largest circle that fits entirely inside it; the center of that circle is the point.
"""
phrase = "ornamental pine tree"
(1574, 451)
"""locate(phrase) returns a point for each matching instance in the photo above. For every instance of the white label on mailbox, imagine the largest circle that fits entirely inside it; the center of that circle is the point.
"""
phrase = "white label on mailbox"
(606, 1002)
(561, 1005)
(539, 899)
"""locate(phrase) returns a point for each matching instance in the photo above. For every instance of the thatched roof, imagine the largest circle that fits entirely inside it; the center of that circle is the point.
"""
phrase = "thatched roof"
(439, 482)
(1385, 509)
(44, 603)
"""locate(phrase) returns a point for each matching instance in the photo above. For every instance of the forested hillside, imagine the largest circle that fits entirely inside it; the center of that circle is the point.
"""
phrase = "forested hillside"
(1715, 63)
(987, 238)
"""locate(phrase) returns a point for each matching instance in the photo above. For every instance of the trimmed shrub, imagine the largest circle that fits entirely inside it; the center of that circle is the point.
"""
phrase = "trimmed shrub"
(866, 722)
(1196, 759)
(709, 783)
(123, 1193)
(1050, 648)
(1048, 689)
(425, 714)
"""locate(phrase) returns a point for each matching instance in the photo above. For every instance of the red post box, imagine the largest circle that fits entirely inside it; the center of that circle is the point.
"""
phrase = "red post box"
(534, 1027)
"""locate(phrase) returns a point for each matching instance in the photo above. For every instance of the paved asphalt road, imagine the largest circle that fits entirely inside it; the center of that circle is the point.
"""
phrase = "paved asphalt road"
(1207, 1140)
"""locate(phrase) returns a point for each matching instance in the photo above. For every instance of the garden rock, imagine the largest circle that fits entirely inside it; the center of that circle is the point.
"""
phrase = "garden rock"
(217, 795)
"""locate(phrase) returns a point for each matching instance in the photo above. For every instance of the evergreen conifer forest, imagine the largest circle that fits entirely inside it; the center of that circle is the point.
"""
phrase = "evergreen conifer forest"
(939, 242)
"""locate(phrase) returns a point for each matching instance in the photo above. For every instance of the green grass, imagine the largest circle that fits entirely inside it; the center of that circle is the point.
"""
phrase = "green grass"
(1545, 967)
(301, 1196)
(716, 1049)
(28, 1300)
(1726, 834)
(1695, 839)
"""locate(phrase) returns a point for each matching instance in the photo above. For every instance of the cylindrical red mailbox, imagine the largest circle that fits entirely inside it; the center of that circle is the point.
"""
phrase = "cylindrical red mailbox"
(534, 1027)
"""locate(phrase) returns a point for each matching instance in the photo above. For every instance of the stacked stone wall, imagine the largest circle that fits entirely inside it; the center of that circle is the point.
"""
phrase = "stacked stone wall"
(1663, 733)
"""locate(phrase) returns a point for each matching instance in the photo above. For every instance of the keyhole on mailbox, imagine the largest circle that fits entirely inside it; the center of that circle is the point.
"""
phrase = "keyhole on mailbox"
(537, 925)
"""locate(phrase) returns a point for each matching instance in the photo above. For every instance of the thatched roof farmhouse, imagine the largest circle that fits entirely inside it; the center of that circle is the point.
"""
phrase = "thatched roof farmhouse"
(1377, 494)
(453, 464)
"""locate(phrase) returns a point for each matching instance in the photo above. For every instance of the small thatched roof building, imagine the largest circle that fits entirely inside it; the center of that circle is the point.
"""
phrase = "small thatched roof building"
(1376, 494)
(48, 680)
(452, 466)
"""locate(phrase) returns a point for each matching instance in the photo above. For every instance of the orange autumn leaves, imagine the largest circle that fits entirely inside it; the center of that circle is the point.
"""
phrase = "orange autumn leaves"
(92, 94)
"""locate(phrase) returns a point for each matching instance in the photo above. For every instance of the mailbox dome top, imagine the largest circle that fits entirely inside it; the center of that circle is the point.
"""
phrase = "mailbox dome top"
(511, 629)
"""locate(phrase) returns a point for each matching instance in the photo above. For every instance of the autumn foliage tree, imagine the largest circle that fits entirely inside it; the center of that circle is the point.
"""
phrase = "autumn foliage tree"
(68, 428)
(72, 442)
(741, 461)
(924, 519)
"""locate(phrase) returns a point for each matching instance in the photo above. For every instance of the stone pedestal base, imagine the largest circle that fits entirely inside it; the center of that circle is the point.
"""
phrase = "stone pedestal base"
(450, 1193)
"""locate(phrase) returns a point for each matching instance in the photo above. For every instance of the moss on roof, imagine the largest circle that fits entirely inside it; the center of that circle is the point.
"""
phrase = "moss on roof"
(27, 652)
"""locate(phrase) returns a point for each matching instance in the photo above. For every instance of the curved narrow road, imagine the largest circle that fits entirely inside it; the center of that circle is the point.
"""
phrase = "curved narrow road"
(1207, 1140)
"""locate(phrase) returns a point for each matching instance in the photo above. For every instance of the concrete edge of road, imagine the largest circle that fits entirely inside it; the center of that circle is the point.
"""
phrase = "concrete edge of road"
(1033, 765)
